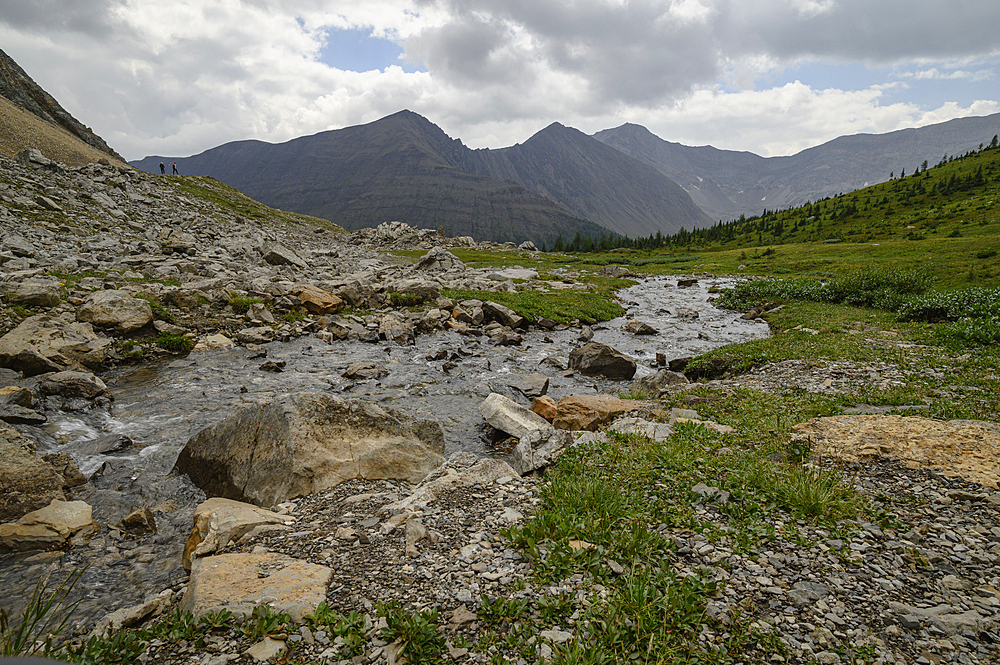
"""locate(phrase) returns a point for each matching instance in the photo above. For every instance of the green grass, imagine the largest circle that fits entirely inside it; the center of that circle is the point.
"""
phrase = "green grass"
(241, 304)
(211, 191)
(625, 498)
(175, 343)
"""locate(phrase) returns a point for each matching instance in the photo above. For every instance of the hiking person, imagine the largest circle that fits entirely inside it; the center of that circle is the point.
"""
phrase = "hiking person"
(163, 171)
(175, 168)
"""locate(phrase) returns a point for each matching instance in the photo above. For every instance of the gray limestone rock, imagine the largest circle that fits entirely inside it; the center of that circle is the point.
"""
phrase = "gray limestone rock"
(34, 292)
(507, 415)
(539, 448)
(600, 359)
(116, 309)
(43, 343)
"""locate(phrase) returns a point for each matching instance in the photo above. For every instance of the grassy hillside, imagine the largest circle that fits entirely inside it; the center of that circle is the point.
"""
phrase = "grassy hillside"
(944, 220)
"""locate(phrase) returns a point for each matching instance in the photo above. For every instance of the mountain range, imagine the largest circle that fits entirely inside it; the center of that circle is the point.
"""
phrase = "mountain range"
(626, 180)
(404, 167)
(726, 183)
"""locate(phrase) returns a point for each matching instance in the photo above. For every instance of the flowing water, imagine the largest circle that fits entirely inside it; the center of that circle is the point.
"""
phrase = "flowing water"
(159, 406)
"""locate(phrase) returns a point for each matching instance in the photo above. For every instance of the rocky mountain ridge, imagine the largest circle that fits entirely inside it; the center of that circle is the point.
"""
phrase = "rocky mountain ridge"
(20, 89)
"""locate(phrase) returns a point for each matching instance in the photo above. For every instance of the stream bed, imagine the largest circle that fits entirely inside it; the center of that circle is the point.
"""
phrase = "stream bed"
(159, 406)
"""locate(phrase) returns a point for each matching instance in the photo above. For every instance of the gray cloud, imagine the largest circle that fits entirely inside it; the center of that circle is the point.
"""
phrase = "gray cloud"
(94, 18)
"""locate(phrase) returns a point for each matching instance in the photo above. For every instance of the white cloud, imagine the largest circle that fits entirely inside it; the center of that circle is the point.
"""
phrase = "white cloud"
(959, 74)
(182, 76)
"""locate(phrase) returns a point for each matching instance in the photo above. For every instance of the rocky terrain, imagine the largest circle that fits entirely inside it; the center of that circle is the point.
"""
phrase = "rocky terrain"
(102, 265)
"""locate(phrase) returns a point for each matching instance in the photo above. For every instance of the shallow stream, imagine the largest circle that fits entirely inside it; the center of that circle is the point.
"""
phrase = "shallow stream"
(160, 406)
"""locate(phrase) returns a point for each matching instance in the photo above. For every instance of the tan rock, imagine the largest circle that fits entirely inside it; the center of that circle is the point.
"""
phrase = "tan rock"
(28, 480)
(545, 406)
(43, 343)
(50, 526)
(218, 521)
(589, 412)
(214, 342)
(316, 300)
(966, 448)
(238, 582)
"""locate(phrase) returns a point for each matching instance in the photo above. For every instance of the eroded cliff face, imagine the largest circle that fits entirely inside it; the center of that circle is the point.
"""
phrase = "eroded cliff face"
(19, 88)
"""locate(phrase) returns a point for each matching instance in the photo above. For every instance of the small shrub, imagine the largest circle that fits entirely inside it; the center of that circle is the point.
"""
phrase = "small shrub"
(174, 342)
(968, 333)
(495, 611)
(405, 299)
(263, 621)
(636, 394)
(241, 304)
(416, 632)
(160, 312)
(986, 253)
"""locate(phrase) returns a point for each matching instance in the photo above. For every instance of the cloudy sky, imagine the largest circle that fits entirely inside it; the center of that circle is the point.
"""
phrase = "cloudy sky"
(176, 77)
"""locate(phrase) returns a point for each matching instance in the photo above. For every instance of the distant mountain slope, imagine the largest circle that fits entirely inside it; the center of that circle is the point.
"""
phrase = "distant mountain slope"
(403, 167)
(594, 181)
(19, 88)
(726, 183)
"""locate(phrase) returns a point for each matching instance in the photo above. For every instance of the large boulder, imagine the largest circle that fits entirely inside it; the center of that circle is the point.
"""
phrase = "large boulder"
(218, 521)
(589, 412)
(439, 260)
(303, 443)
(116, 309)
(73, 391)
(34, 292)
(27, 480)
(51, 526)
(507, 415)
(45, 343)
(239, 582)
(596, 359)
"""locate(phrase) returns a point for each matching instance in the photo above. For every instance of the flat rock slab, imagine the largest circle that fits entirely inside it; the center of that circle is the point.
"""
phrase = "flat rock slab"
(968, 449)
(239, 582)
(50, 526)
(595, 359)
(43, 343)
